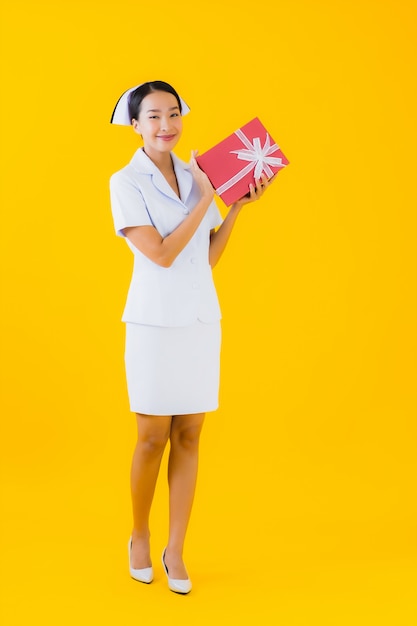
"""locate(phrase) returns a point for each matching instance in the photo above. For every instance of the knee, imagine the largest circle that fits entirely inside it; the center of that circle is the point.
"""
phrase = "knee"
(187, 438)
(153, 444)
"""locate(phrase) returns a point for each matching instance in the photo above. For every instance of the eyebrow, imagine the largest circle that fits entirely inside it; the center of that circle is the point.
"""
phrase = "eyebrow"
(159, 110)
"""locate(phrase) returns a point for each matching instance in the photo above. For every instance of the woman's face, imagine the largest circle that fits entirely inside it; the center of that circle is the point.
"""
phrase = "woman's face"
(159, 123)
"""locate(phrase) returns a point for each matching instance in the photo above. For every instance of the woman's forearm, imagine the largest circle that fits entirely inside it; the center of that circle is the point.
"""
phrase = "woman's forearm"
(219, 239)
(164, 250)
(176, 241)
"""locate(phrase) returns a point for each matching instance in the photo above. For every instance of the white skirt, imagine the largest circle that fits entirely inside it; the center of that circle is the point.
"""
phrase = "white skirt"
(173, 371)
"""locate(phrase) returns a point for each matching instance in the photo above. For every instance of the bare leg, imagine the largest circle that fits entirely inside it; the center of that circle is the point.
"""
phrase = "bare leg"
(153, 434)
(182, 477)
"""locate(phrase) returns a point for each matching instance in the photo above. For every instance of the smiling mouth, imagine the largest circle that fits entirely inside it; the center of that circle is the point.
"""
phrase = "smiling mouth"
(166, 137)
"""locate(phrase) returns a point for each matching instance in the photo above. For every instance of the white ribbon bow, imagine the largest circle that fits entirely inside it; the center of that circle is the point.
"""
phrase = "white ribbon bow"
(259, 159)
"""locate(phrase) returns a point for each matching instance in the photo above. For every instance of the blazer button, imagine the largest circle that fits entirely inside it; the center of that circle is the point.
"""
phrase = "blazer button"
(193, 259)
(186, 211)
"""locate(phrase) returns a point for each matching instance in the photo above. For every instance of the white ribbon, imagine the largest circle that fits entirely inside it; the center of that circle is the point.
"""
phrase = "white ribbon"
(259, 159)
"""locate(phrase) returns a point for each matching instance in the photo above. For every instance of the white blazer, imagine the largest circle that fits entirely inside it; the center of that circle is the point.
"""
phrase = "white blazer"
(183, 293)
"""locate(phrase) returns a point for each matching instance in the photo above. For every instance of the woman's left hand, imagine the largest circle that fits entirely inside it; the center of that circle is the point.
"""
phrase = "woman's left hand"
(256, 191)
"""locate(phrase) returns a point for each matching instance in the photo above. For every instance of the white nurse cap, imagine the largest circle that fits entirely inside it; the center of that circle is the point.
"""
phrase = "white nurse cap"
(121, 110)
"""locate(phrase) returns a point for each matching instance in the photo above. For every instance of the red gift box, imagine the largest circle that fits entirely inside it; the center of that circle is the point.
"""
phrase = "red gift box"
(236, 161)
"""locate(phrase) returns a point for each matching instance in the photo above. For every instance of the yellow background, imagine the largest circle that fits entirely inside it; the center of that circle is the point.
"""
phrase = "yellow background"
(306, 511)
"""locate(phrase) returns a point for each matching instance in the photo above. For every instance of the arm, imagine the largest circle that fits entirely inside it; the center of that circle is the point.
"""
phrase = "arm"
(219, 238)
(164, 250)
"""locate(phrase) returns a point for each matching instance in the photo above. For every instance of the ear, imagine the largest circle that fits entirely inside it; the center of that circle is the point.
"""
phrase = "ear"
(136, 126)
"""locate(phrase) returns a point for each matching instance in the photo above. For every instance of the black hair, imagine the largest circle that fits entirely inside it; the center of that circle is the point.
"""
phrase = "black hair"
(136, 97)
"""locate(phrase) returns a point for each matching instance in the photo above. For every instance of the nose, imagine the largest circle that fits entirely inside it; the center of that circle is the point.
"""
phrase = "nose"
(164, 123)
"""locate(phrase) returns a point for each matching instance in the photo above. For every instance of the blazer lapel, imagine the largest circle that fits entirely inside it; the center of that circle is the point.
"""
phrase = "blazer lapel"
(162, 184)
(184, 178)
(182, 171)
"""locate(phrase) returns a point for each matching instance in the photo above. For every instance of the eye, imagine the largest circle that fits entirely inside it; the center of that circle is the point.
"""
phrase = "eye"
(153, 117)
(175, 115)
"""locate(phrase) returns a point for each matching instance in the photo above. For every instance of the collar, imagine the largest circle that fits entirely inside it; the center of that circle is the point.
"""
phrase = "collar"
(144, 165)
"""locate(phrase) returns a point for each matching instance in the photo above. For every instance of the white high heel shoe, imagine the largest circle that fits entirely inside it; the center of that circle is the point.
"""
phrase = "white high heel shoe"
(144, 575)
(176, 585)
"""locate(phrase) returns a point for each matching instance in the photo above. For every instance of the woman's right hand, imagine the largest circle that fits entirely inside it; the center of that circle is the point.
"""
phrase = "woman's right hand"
(201, 178)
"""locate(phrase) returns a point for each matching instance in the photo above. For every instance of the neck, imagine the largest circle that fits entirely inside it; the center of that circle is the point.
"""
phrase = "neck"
(162, 160)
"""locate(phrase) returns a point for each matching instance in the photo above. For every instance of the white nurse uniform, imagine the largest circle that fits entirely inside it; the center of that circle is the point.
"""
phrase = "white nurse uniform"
(172, 314)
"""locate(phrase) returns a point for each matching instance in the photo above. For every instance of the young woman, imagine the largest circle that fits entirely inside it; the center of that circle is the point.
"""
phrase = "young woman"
(165, 210)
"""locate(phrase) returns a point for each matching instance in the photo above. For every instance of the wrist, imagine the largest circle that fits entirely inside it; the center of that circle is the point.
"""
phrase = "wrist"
(204, 202)
(236, 206)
